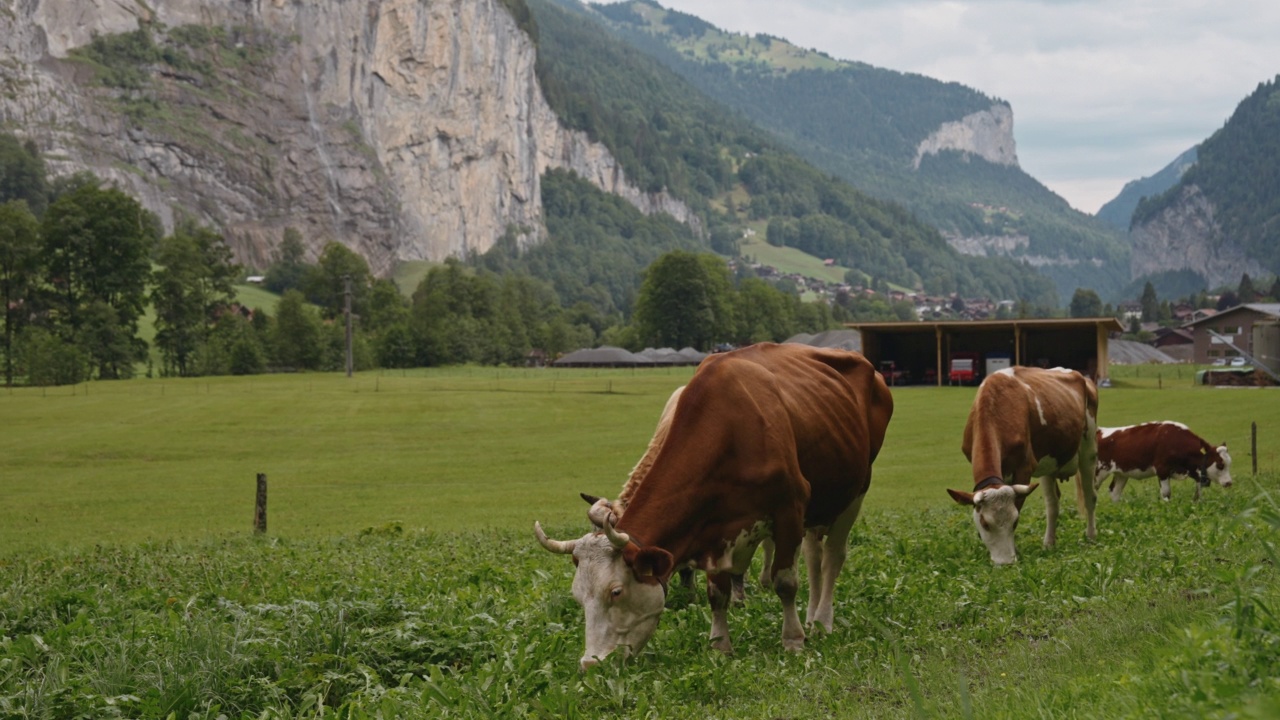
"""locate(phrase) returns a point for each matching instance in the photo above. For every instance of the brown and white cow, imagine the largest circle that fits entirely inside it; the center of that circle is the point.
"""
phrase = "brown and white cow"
(1163, 450)
(1028, 422)
(766, 441)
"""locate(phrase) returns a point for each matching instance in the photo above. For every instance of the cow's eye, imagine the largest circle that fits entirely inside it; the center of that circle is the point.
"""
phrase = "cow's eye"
(615, 593)
(983, 522)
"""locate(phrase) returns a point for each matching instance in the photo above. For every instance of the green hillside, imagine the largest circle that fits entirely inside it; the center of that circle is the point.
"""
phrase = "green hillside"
(1238, 170)
(1119, 210)
(668, 135)
(864, 124)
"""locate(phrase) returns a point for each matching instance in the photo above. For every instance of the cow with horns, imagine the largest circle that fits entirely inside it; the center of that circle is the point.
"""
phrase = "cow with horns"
(1163, 450)
(769, 441)
(1028, 422)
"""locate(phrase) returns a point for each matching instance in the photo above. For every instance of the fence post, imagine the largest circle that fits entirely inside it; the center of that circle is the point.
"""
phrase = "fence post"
(260, 507)
(1253, 446)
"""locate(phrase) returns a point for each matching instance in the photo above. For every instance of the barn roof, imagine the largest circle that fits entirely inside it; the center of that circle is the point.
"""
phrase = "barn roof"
(605, 355)
(921, 326)
(1272, 309)
(1129, 352)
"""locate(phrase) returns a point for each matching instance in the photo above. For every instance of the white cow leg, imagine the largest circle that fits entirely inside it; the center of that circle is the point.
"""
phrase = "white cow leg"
(1196, 498)
(1090, 507)
(1164, 489)
(1051, 496)
(812, 549)
(834, 552)
(719, 592)
(1117, 486)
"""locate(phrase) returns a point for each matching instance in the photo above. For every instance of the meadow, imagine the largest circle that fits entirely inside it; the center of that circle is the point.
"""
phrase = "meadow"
(399, 576)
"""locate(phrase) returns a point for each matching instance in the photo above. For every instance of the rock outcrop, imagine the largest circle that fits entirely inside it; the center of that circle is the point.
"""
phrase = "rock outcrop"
(1185, 236)
(405, 129)
(987, 134)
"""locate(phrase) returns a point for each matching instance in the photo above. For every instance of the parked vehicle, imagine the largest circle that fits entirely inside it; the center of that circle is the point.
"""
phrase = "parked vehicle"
(963, 369)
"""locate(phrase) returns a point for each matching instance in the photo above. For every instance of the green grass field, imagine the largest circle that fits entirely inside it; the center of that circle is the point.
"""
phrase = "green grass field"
(399, 577)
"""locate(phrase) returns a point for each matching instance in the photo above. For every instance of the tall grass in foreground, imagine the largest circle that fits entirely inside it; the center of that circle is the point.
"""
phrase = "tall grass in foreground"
(1169, 614)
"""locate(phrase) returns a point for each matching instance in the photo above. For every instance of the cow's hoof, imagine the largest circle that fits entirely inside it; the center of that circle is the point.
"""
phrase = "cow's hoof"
(723, 645)
(793, 644)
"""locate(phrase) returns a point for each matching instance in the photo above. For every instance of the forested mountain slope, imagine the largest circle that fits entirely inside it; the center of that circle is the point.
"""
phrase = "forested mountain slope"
(1118, 211)
(945, 151)
(668, 135)
(1222, 219)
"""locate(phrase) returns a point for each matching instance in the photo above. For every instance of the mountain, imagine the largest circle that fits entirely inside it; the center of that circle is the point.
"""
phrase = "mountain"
(1222, 218)
(1119, 210)
(405, 130)
(945, 151)
(420, 130)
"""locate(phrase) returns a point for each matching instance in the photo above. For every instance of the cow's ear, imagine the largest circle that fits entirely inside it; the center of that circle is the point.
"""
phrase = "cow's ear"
(960, 496)
(651, 564)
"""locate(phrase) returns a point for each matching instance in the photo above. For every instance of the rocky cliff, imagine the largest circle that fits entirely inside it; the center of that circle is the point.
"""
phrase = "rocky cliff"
(1185, 236)
(405, 129)
(987, 134)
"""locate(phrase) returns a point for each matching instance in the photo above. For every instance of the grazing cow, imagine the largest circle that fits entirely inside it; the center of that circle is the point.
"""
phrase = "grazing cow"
(1028, 422)
(765, 441)
(1159, 449)
(603, 509)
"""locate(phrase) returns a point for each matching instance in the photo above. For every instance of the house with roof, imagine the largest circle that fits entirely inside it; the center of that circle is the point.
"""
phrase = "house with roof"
(1234, 326)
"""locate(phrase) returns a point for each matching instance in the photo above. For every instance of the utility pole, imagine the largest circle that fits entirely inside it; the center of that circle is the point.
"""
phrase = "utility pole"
(346, 310)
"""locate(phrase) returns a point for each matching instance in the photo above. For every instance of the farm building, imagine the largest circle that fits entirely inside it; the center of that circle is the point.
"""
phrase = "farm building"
(925, 352)
(1235, 325)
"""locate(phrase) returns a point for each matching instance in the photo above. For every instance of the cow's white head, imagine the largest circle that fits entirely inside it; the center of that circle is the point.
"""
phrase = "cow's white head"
(995, 512)
(1220, 468)
(620, 585)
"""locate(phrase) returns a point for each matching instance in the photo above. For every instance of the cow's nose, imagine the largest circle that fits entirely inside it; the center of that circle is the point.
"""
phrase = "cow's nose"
(587, 663)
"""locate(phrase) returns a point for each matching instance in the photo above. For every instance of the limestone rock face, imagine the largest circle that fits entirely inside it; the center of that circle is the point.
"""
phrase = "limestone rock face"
(1185, 236)
(405, 129)
(987, 134)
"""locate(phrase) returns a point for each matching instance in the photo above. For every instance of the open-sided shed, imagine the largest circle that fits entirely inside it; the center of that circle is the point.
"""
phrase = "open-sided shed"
(920, 352)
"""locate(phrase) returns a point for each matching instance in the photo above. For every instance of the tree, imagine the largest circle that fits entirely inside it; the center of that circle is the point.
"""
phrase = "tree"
(1275, 289)
(19, 270)
(1150, 303)
(1227, 300)
(22, 173)
(297, 339)
(288, 268)
(325, 283)
(97, 249)
(1085, 303)
(1246, 292)
(192, 288)
(684, 301)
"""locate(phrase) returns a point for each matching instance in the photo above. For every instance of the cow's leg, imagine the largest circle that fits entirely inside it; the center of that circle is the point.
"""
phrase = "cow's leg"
(1164, 488)
(766, 569)
(1052, 493)
(1117, 486)
(834, 551)
(1087, 488)
(812, 548)
(788, 536)
(738, 595)
(719, 591)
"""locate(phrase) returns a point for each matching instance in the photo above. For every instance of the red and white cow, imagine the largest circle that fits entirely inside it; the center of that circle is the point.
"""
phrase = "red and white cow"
(1028, 422)
(1163, 450)
(603, 510)
(766, 441)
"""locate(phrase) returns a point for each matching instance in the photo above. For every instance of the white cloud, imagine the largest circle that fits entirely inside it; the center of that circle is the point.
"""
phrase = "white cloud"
(1103, 91)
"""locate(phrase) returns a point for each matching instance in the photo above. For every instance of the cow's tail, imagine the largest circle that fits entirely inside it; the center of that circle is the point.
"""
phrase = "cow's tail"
(1089, 448)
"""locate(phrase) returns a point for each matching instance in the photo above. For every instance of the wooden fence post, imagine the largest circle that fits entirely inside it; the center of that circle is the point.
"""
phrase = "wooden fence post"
(1253, 447)
(260, 508)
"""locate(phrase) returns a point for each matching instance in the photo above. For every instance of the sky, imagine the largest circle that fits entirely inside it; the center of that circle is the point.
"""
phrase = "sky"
(1102, 91)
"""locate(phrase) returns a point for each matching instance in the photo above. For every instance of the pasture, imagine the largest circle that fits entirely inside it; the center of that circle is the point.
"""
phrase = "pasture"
(399, 576)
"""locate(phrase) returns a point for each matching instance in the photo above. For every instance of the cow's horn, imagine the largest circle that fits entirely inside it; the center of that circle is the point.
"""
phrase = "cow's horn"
(1025, 489)
(618, 539)
(561, 547)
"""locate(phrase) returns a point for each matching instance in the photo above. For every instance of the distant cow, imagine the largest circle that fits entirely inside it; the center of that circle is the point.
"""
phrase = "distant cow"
(1163, 450)
(766, 441)
(1028, 422)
